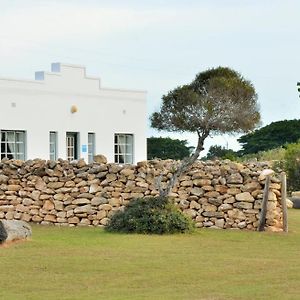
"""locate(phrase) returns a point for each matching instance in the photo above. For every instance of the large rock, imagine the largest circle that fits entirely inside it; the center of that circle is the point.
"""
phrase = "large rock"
(289, 203)
(296, 202)
(3, 233)
(16, 230)
(294, 194)
(264, 173)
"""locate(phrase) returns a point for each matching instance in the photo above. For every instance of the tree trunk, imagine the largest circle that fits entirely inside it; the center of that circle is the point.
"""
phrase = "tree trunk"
(183, 166)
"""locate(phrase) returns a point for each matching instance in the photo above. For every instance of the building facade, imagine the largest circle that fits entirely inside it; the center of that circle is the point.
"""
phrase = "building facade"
(65, 114)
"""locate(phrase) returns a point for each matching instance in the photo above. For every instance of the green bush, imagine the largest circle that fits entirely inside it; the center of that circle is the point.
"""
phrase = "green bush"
(150, 215)
(269, 155)
(292, 166)
(3, 233)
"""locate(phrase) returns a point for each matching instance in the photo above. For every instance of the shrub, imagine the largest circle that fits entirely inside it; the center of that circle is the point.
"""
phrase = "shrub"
(269, 155)
(292, 166)
(150, 215)
(3, 233)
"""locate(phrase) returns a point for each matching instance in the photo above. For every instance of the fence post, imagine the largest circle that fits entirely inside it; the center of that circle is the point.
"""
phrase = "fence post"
(262, 221)
(283, 202)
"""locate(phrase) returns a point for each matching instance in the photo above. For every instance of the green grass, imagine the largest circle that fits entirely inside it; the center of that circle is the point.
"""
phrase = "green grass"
(88, 263)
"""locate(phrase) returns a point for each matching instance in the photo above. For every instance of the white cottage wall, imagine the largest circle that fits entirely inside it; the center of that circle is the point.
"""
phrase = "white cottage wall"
(44, 105)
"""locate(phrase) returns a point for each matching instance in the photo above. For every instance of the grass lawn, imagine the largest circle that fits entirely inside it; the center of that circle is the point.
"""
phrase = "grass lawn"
(88, 263)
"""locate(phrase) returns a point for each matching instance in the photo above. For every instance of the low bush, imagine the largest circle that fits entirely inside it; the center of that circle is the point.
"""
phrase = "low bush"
(292, 166)
(150, 215)
(268, 155)
(3, 233)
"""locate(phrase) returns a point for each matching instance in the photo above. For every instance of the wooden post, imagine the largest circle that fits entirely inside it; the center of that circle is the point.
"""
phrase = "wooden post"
(262, 221)
(283, 202)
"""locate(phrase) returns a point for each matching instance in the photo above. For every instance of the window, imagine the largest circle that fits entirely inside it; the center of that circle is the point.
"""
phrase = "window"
(53, 145)
(91, 147)
(72, 146)
(12, 144)
(124, 148)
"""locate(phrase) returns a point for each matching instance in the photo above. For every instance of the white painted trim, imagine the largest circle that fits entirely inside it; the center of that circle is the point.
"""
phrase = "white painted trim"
(22, 80)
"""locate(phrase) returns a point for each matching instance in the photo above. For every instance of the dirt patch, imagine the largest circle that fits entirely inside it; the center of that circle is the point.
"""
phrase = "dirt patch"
(12, 243)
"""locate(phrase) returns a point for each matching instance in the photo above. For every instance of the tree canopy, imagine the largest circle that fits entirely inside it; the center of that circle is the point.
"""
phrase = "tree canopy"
(271, 136)
(218, 101)
(219, 152)
(167, 148)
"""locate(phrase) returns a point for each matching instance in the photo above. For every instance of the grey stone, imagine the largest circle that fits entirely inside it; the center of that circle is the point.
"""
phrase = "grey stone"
(197, 191)
(215, 201)
(100, 159)
(246, 197)
(80, 201)
(242, 224)
(83, 209)
(243, 205)
(208, 224)
(220, 223)
(289, 203)
(16, 230)
(225, 207)
(3, 233)
(3, 178)
(296, 202)
(216, 214)
(235, 178)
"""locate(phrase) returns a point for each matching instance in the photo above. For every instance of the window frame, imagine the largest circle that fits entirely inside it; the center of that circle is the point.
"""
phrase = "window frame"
(55, 143)
(123, 142)
(91, 146)
(75, 146)
(18, 144)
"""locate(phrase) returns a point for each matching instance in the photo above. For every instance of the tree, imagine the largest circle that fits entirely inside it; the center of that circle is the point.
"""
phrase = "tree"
(219, 152)
(271, 136)
(218, 101)
(167, 148)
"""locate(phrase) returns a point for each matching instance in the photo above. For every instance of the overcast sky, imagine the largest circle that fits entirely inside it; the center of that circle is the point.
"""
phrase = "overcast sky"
(157, 45)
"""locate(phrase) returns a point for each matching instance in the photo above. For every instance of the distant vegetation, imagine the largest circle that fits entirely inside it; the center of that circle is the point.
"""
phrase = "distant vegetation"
(271, 136)
(219, 152)
(276, 154)
(167, 148)
(291, 164)
(284, 159)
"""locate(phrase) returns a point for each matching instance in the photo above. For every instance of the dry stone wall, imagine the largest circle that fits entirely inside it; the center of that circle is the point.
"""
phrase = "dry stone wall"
(214, 194)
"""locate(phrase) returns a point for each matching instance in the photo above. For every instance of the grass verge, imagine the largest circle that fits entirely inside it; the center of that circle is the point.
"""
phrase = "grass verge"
(89, 263)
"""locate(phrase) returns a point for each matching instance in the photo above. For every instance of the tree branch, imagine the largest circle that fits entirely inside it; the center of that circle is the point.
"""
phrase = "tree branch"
(184, 165)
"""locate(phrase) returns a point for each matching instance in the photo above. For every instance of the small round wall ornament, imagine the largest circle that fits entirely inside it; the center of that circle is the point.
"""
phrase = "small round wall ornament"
(74, 109)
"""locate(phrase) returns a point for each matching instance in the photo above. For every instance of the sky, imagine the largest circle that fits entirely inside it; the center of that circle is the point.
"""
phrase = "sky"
(158, 45)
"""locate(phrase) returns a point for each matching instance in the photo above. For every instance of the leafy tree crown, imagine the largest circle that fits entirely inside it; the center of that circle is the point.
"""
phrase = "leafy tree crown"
(219, 100)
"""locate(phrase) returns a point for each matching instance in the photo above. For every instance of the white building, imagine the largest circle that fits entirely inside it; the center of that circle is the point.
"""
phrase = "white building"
(65, 114)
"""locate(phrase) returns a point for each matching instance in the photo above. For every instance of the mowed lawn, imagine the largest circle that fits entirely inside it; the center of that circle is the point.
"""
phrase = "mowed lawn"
(89, 263)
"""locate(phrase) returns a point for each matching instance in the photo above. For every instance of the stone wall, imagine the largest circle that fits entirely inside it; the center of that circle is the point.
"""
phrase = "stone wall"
(215, 194)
